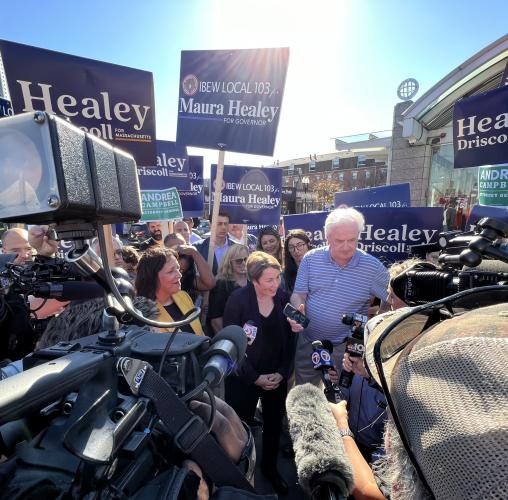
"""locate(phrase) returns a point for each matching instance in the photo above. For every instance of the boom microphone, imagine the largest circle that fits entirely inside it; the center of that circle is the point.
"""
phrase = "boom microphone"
(226, 351)
(323, 468)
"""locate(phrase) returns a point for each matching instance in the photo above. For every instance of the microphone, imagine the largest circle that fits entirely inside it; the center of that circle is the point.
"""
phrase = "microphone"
(322, 360)
(324, 471)
(227, 350)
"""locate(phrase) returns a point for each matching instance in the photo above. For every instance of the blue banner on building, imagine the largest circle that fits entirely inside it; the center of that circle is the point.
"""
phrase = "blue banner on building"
(113, 102)
(396, 196)
(249, 195)
(175, 168)
(388, 234)
(480, 129)
(231, 99)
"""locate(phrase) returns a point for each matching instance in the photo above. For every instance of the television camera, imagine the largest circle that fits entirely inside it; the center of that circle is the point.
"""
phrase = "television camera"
(459, 252)
(103, 416)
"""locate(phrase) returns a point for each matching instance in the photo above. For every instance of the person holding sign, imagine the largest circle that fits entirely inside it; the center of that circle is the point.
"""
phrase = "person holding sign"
(332, 281)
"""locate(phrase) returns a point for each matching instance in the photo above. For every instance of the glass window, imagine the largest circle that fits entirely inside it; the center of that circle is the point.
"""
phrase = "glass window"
(448, 184)
(355, 175)
(335, 163)
(291, 169)
(312, 166)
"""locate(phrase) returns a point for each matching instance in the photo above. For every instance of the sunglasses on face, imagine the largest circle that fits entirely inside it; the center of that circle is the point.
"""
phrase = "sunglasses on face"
(416, 322)
(297, 246)
(240, 261)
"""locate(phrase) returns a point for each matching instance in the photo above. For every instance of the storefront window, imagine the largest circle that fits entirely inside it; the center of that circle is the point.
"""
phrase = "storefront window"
(448, 185)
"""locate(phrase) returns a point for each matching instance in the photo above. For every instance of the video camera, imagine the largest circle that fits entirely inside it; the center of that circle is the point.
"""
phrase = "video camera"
(103, 416)
(459, 251)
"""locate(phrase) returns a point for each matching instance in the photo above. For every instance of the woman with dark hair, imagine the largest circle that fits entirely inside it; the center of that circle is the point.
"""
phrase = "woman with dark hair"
(196, 273)
(296, 245)
(158, 278)
(269, 241)
(258, 308)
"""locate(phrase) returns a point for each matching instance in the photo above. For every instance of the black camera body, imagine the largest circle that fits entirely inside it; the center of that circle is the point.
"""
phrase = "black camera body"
(354, 343)
(460, 254)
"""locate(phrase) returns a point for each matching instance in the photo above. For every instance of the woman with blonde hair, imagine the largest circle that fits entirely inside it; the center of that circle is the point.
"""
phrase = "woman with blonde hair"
(232, 274)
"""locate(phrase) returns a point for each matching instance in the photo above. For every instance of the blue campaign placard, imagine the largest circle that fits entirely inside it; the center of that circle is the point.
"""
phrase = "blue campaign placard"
(480, 129)
(395, 196)
(113, 102)
(480, 211)
(231, 99)
(249, 195)
(388, 234)
(174, 168)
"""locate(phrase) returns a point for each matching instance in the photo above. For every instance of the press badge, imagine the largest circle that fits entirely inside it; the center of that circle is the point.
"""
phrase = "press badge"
(251, 332)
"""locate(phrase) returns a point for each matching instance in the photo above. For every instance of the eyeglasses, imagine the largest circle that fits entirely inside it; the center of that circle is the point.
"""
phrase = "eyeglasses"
(240, 261)
(298, 246)
(410, 325)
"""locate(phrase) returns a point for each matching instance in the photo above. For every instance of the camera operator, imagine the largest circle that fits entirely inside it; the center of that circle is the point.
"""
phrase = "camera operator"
(453, 421)
(19, 335)
(334, 280)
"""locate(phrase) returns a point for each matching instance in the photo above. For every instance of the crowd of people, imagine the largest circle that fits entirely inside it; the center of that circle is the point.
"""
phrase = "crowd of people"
(248, 284)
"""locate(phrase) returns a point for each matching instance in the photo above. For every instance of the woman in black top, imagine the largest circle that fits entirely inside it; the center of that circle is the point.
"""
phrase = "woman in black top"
(269, 241)
(257, 307)
(296, 245)
(232, 274)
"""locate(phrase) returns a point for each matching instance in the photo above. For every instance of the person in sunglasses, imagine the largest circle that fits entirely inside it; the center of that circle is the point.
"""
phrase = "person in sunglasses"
(442, 366)
(232, 274)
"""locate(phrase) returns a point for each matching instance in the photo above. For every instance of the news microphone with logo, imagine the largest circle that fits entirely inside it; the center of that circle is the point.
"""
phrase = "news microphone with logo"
(354, 344)
(324, 471)
(322, 361)
(227, 350)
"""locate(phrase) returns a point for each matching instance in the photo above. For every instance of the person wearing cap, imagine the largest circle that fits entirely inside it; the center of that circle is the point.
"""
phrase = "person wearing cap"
(448, 393)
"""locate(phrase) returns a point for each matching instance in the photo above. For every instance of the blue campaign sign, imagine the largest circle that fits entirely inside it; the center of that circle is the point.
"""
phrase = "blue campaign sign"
(113, 102)
(480, 211)
(175, 168)
(231, 99)
(395, 196)
(480, 129)
(249, 195)
(388, 232)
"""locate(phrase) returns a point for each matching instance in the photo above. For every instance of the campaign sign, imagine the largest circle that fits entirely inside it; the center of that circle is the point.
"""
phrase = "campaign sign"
(175, 168)
(493, 186)
(113, 102)
(249, 195)
(388, 233)
(480, 129)
(163, 204)
(231, 99)
(480, 211)
(395, 196)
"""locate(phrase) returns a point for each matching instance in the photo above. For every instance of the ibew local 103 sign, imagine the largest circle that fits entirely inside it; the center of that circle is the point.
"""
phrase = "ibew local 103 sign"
(231, 99)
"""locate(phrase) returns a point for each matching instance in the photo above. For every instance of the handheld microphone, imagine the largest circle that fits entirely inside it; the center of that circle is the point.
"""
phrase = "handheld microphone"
(322, 360)
(324, 471)
(226, 351)
(354, 347)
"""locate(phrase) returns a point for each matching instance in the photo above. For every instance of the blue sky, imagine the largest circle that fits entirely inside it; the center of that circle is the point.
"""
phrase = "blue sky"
(347, 56)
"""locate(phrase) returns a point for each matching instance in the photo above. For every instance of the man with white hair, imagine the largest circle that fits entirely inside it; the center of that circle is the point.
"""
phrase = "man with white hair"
(334, 280)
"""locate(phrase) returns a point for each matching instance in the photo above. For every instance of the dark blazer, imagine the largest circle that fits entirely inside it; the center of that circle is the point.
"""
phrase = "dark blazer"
(242, 307)
(203, 246)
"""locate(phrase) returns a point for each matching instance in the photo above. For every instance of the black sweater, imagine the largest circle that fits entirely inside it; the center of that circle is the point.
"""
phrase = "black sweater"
(273, 348)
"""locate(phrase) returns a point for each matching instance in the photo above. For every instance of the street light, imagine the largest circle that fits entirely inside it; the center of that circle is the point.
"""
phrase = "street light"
(305, 184)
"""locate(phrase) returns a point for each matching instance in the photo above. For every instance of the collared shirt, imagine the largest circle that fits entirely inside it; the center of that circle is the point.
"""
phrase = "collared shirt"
(220, 251)
(333, 290)
(194, 238)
